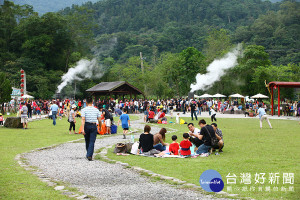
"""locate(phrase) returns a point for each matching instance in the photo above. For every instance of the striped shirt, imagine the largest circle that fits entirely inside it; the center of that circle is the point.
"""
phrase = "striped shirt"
(91, 114)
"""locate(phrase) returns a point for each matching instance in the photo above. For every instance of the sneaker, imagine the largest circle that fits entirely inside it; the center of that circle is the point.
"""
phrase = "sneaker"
(89, 158)
(220, 151)
(204, 155)
(124, 136)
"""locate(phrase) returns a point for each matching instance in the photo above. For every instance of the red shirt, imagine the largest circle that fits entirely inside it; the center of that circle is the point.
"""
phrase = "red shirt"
(186, 144)
(151, 115)
(162, 115)
(174, 147)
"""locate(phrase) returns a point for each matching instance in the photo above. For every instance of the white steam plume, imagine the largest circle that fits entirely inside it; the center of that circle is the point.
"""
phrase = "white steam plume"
(83, 69)
(216, 70)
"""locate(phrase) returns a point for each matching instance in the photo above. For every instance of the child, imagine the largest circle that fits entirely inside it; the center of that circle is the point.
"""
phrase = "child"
(1, 119)
(61, 112)
(38, 112)
(125, 123)
(213, 115)
(174, 146)
(177, 118)
(185, 145)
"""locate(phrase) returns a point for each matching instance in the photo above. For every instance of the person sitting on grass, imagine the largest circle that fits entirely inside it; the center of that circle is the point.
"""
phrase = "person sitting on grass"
(124, 118)
(185, 145)
(1, 119)
(174, 146)
(146, 142)
(151, 116)
(194, 133)
(159, 140)
(162, 116)
(206, 133)
(219, 135)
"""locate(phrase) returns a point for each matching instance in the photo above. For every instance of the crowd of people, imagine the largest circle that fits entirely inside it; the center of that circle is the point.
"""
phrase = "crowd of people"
(196, 142)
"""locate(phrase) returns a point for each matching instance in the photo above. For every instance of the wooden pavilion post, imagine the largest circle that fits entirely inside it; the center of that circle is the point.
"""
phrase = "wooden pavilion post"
(278, 101)
(272, 101)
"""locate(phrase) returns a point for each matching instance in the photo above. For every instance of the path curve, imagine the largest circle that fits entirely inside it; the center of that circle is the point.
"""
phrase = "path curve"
(100, 179)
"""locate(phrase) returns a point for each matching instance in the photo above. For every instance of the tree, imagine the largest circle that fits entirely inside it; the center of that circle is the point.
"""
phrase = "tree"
(5, 89)
(254, 57)
(218, 43)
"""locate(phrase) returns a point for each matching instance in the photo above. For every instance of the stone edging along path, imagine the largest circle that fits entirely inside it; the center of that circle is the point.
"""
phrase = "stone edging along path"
(132, 173)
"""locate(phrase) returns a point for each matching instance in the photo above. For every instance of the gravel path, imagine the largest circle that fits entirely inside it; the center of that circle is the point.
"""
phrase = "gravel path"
(100, 179)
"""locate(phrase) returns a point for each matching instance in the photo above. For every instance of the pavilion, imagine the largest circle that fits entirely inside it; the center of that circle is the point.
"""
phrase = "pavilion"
(115, 89)
(278, 85)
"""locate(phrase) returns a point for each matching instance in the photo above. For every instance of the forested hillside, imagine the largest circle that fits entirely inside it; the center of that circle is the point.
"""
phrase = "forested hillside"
(178, 39)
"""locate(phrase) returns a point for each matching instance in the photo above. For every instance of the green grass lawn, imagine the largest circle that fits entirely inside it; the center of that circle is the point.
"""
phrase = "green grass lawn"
(16, 182)
(247, 150)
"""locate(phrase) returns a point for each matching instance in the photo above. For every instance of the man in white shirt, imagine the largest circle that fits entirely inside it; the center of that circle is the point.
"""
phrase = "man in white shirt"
(194, 133)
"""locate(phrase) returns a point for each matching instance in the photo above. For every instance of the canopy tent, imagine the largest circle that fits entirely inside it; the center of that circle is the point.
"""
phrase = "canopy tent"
(205, 96)
(277, 85)
(219, 95)
(236, 96)
(26, 96)
(259, 96)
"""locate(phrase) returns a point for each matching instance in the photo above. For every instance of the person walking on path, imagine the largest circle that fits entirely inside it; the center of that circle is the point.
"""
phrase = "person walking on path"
(90, 116)
(72, 120)
(124, 118)
(54, 109)
(263, 116)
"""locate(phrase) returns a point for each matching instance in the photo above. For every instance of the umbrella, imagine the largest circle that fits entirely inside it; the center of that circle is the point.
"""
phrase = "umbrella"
(236, 96)
(205, 96)
(259, 96)
(219, 95)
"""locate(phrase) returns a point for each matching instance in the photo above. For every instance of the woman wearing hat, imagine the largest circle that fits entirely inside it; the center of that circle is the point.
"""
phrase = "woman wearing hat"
(71, 119)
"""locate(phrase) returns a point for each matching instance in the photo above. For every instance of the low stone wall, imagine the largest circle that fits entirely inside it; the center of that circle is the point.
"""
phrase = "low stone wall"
(235, 112)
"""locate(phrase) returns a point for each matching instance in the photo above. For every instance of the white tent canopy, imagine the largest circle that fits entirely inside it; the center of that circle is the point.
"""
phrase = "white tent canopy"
(205, 96)
(236, 96)
(219, 95)
(27, 96)
(259, 96)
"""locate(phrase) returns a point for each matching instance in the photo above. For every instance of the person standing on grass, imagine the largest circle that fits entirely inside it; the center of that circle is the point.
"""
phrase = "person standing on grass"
(72, 120)
(193, 108)
(262, 116)
(124, 118)
(24, 116)
(213, 114)
(54, 109)
(90, 116)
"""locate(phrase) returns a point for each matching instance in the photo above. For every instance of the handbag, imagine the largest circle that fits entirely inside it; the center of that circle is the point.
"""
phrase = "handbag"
(123, 148)
(120, 148)
(213, 140)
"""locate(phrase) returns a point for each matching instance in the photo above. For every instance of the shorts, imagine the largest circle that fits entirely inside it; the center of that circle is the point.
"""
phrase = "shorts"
(38, 112)
(125, 129)
(107, 122)
(24, 120)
